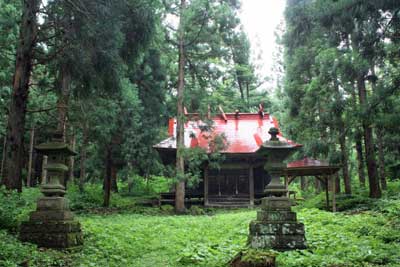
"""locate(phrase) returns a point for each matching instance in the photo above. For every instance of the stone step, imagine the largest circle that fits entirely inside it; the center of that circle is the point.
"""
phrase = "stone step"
(230, 204)
(223, 199)
(244, 200)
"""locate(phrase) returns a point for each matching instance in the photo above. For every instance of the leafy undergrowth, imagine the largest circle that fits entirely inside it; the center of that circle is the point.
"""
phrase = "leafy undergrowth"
(14, 253)
(154, 238)
(140, 240)
(336, 239)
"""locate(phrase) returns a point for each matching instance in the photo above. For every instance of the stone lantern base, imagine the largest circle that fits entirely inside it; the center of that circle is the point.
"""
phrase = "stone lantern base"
(276, 226)
(52, 225)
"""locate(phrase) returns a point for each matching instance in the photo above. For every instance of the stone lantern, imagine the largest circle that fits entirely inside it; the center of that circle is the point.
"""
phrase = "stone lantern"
(276, 226)
(276, 152)
(52, 225)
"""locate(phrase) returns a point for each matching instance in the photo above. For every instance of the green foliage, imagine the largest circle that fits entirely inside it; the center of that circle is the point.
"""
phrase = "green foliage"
(196, 210)
(13, 253)
(150, 186)
(343, 240)
(92, 198)
(151, 237)
(168, 209)
(15, 207)
(256, 256)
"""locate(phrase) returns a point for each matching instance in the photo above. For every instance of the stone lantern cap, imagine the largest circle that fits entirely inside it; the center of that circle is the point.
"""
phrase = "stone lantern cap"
(55, 146)
(275, 144)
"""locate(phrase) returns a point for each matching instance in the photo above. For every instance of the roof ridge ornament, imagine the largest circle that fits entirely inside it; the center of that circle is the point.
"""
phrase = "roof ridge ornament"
(261, 110)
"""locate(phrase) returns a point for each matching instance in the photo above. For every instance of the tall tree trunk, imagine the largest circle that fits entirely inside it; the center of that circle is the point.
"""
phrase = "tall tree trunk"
(374, 188)
(317, 185)
(21, 79)
(344, 161)
(240, 86)
(85, 141)
(337, 183)
(381, 157)
(63, 99)
(107, 178)
(114, 178)
(180, 163)
(248, 94)
(360, 159)
(29, 175)
(238, 76)
(3, 158)
(341, 127)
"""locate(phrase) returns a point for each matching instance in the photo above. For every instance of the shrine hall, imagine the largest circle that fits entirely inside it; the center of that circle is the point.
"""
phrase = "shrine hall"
(240, 179)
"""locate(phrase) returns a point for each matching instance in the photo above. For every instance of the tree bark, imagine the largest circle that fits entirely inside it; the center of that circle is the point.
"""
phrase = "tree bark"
(63, 99)
(21, 79)
(85, 141)
(107, 178)
(360, 159)
(114, 178)
(337, 183)
(381, 157)
(344, 161)
(3, 158)
(31, 142)
(317, 185)
(374, 188)
(341, 129)
(180, 163)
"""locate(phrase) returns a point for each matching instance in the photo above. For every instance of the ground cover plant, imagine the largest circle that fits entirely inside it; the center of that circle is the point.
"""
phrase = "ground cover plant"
(155, 237)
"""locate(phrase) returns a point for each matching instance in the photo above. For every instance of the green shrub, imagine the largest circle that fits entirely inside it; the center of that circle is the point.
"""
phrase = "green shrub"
(90, 197)
(140, 186)
(356, 201)
(167, 208)
(196, 210)
(13, 253)
(15, 207)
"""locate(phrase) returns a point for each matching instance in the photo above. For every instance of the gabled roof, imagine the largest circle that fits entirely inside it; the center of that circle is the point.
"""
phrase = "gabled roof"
(244, 132)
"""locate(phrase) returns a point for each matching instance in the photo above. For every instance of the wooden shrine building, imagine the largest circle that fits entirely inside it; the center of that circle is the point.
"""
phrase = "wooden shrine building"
(241, 178)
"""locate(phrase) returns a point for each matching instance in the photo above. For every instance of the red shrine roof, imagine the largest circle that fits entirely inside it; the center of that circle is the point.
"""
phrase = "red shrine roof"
(244, 132)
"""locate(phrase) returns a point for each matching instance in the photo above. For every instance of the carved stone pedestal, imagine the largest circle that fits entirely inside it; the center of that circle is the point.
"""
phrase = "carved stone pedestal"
(276, 226)
(52, 225)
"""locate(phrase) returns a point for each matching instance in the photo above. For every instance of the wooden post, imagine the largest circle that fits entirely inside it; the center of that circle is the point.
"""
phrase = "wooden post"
(29, 175)
(205, 180)
(251, 184)
(326, 192)
(333, 194)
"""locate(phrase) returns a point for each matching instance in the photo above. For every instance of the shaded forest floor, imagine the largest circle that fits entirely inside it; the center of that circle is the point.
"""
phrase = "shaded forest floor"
(368, 238)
